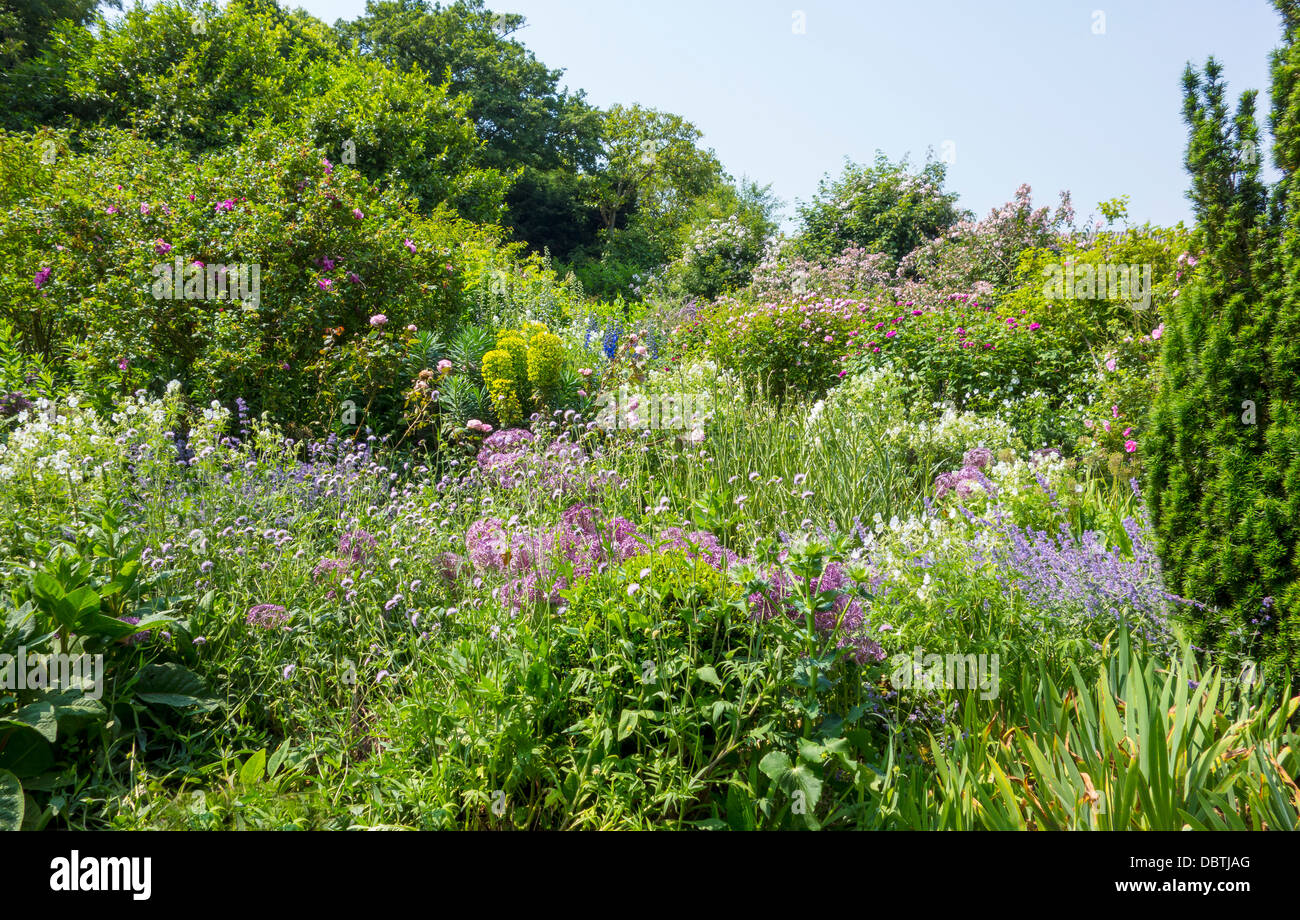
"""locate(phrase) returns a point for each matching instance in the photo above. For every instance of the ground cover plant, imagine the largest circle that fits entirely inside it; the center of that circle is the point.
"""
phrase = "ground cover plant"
(431, 458)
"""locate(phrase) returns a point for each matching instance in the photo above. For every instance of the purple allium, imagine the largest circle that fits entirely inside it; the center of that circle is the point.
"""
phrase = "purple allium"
(357, 545)
(980, 458)
(267, 616)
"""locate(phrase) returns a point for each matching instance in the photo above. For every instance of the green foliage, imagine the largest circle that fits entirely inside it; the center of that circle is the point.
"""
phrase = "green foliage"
(199, 77)
(531, 127)
(1221, 458)
(884, 207)
(114, 224)
(1142, 747)
(503, 388)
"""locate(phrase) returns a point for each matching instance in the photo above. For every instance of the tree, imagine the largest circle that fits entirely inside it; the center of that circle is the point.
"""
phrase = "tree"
(531, 127)
(1224, 450)
(25, 25)
(200, 77)
(880, 208)
(651, 164)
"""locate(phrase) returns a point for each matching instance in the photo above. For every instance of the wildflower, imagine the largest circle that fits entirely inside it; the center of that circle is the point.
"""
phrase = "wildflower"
(1110, 364)
(288, 671)
(409, 244)
(356, 212)
(1131, 446)
(266, 616)
(162, 247)
(42, 276)
(378, 320)
(325, 284)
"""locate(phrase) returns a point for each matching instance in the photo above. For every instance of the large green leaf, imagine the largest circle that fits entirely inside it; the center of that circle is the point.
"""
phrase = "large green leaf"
(40, 716)
(23, 750)
(12, 804)
(173, 685)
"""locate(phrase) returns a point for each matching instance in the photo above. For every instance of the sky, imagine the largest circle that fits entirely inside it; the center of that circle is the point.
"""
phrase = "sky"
(1059, 94)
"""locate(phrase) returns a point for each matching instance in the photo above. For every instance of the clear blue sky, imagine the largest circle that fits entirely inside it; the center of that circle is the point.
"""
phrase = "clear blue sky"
(1023, 90)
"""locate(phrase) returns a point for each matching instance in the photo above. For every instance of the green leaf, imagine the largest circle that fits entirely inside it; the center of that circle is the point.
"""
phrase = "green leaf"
(84, 601)
(253, 770)
(708, 675)
(278, 758)
(12, 804)
(774, 765)
(173, 685)
(40, 716)
(23, 750)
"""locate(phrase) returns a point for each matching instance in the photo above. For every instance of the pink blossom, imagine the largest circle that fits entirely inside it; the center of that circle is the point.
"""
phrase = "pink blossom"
(378, 319)
(1131, 446)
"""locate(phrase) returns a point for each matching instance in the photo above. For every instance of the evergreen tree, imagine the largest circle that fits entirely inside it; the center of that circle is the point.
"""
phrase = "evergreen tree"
(1224, 469)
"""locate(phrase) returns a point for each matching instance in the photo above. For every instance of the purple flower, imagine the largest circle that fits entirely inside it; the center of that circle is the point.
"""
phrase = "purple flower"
(42, 276)
(358, 545)
(267, 616)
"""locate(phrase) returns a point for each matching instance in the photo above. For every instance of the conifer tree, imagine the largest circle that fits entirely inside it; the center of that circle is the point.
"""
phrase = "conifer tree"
(1223, 455)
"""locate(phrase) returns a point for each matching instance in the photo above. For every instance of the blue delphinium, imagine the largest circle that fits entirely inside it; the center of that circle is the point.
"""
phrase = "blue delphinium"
(612, 335)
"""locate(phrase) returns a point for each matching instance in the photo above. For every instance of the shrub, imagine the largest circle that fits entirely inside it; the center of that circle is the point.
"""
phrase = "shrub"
(884, 207)
(1223, 477)
(335, 271)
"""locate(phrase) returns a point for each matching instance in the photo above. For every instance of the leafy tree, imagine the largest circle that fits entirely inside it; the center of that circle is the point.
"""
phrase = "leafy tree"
(884, 207)
(651, 179)
(1223, 464)
(25, 25)
(531, 127)
(200, 77)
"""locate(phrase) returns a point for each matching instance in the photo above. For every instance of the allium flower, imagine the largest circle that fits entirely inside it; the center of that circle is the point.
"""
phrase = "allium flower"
(267, 616)
(358, 545)
(980, 458)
